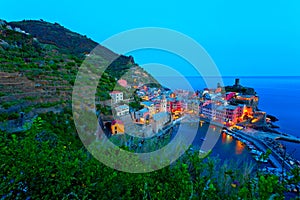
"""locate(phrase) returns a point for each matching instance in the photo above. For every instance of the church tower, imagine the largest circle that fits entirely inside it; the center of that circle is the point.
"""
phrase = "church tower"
(163, 104)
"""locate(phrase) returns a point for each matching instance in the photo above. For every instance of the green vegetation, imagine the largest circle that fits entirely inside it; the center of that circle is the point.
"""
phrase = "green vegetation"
(57, 35)
(49, 161)
(7, 105)
(8, 116)
(2, 94)
(48, 104)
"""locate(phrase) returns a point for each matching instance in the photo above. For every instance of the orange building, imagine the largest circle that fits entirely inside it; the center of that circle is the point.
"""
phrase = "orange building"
(117, 126)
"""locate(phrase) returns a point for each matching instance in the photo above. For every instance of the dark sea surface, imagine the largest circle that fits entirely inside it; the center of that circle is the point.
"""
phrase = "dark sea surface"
(225, 148)
(279, 96)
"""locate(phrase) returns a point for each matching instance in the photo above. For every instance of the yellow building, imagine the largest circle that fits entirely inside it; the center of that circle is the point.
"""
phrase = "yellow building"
(117, 127)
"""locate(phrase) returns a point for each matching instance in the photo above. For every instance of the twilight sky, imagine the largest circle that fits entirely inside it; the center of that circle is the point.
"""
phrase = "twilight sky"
(243, 37)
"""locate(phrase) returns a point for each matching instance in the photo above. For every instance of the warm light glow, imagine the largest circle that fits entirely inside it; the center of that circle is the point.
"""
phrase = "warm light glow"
(201, 123)
(226, 139)
(254, 120)
(239, 147)
(223, 138)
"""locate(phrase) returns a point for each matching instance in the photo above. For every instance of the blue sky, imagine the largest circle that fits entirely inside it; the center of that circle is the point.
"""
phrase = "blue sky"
(243, 37)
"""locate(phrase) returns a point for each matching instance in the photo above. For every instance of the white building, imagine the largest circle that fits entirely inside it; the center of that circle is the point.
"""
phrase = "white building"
(116, 96)
(122, 110)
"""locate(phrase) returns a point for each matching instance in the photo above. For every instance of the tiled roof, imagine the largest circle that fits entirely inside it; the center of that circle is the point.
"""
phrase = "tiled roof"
(116, 122)
(115, 92)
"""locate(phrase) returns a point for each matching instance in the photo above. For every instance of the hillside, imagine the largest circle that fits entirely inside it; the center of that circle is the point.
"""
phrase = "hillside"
(55, 34)
(39, 62)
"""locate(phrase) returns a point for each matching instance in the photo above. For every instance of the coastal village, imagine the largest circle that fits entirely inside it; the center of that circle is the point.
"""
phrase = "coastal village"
(236, 110)
(138, 115)
(161, 106)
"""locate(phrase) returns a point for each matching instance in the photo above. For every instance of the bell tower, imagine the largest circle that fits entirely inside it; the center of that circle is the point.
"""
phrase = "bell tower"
(163, 104)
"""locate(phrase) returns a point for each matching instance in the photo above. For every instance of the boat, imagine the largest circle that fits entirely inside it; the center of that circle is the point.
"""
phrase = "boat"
(259, 159)
(292, 162)
(256, 152)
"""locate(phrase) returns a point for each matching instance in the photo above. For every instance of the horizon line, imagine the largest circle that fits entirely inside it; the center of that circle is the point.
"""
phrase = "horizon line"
(243, 76)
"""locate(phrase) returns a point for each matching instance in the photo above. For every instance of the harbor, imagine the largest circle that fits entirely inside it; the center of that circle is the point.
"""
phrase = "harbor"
(261, 142)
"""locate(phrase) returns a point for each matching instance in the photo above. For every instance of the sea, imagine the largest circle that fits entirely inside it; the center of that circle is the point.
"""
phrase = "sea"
(279, 96)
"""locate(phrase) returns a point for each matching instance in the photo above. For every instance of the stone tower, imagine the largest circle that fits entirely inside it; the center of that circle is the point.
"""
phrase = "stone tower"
(237, 82)
(163, 104)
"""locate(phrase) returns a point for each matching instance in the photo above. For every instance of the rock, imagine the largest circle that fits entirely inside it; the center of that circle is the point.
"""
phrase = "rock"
(273, 118)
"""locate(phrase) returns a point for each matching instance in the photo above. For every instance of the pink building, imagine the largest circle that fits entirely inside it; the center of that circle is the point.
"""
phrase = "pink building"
(122, 82)
(229, 95)
(229, 114)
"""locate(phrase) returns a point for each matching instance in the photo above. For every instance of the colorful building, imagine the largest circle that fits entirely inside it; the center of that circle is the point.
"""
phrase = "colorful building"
(150, 105)
(249, 100)
(142, 116)
(122, 83)
(117, 127)
(224, 114)
(229, 95)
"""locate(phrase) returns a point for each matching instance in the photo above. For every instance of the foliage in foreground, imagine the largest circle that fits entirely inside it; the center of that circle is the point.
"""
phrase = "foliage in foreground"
(49, 162)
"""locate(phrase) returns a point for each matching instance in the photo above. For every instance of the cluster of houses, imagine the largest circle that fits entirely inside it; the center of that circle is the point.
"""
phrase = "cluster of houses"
(161, 106)
(231, 108)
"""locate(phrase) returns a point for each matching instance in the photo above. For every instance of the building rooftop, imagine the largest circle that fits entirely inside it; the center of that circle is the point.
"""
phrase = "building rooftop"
(144, 110)
(115, 92)
(122, 107)
(116, 122)
(147, 103)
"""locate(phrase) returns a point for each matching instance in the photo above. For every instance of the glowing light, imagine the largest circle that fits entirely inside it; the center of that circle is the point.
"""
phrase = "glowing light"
(239, 147)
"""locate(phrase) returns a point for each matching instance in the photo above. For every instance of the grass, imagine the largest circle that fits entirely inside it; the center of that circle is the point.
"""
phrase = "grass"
(7, 105)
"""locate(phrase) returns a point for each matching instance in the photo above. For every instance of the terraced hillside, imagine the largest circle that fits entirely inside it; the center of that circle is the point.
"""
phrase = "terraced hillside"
(39, 62)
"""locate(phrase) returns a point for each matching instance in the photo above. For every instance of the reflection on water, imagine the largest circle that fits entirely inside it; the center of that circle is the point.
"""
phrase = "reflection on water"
(239, 147)
(225, 148)
(226, 139)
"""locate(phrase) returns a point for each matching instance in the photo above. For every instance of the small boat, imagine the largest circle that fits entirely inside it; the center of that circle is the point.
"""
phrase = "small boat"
(202, 139)
(256, 152)
(259, 159)
(251, 147)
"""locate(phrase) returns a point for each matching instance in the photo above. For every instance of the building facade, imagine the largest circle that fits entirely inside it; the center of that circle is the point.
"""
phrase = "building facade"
(116, 96)
(122, 110)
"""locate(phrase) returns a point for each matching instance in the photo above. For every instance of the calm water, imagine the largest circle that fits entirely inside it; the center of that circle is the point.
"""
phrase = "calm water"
(279, 96)
(226, 147)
